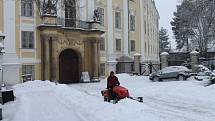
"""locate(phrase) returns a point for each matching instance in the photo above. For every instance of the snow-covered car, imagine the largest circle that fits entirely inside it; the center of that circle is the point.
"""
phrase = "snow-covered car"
(203, 71)
(177, 72)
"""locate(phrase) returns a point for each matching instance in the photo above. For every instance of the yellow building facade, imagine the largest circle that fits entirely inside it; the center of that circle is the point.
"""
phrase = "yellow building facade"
(48, 45)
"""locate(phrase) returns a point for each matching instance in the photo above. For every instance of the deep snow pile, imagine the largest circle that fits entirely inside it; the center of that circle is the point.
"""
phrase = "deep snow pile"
(163, 101)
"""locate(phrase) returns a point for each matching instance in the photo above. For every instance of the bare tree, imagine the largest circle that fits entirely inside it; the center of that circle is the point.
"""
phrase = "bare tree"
(195, 20)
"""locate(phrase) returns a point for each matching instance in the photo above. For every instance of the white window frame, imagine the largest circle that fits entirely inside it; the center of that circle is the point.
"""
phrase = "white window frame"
(28, 41)
(132, 22)
(118, 48)
(26, 71)
(27, 9)
(131, 45)
(118, 20)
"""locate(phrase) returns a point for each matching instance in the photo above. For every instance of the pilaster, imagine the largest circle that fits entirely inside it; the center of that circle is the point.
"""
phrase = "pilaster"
(126, 24)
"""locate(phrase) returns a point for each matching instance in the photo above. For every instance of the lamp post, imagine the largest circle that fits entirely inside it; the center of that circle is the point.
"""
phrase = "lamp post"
(2, 37)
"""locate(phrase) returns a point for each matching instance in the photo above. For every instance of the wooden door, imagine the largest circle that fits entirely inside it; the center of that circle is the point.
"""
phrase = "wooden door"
(69, 67)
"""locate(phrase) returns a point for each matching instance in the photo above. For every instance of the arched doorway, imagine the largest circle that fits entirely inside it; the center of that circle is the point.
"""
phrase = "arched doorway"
(69, 61)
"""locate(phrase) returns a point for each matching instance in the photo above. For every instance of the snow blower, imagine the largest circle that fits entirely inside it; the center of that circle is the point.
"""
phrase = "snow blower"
(120, 93)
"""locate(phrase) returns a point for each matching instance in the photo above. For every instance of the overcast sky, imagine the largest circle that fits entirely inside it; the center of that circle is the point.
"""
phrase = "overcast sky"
(166, 9)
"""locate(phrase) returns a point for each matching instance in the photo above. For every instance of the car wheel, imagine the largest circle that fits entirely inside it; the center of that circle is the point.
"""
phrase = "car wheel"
(181, 78)
(156, 79)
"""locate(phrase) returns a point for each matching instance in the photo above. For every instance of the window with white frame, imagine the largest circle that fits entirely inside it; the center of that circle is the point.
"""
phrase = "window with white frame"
(133, 46)
(132, 23)
(27, 39)
(102, 44)
(118, 44)
(102, 69)
(101, 15)
(28, 70)
(118, 20)
(27, 8)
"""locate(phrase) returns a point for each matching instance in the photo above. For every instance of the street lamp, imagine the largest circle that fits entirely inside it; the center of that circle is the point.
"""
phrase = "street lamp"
(2, 37)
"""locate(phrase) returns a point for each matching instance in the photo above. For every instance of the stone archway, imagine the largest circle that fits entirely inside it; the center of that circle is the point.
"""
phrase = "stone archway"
(69, 66)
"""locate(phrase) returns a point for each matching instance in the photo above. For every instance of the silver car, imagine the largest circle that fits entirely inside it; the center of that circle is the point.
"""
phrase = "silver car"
(177, 72)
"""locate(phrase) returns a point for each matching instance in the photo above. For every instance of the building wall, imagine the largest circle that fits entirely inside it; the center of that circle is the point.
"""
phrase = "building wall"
(28, 56)
(151, 32)
(145, 34)
(2, 15)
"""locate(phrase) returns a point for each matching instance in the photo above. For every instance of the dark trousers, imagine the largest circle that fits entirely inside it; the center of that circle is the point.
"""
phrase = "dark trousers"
(112, 94)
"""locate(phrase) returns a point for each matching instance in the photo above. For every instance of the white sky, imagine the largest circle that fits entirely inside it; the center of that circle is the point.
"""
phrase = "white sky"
(166, 9)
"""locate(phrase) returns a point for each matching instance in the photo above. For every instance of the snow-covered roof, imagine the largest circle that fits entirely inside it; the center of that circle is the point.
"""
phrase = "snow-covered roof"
(194, 52)
(137, 54)
(164, 53)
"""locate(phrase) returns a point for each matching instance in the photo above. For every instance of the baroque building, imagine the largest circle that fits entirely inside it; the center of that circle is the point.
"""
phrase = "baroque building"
(61, 39)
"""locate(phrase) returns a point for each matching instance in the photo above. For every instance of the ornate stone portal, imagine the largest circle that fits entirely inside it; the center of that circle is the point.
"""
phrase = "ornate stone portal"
(85, 44)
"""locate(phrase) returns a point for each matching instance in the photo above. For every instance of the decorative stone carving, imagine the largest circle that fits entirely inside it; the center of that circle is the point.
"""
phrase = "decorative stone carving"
(50, 7)
(66, 42)
(100, 3)
(96, 16)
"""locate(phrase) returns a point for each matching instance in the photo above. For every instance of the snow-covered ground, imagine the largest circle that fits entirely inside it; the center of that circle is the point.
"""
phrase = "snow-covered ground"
(163, 101)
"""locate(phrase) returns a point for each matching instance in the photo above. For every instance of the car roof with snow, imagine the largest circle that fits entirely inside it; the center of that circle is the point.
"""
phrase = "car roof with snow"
(177, 67)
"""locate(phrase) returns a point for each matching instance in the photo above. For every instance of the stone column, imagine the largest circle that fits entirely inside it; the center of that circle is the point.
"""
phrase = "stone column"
(54, 59)
(194, 59)
(10, 61)
(164, 59)
(111, 59)
(96, 61)
(47, 64)
(137, 57)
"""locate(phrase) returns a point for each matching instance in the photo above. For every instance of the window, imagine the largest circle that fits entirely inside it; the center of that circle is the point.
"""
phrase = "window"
(70, 13)
(101, 15)
(102, 69)
(28, 70)
(27, 39)
(102, 44)
(27, 8)
(132, 45)
(118, 44)
(117, 20)
(145, 26)
(132, 23)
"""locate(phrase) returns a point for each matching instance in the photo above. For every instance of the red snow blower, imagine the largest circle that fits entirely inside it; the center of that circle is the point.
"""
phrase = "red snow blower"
(119, 93)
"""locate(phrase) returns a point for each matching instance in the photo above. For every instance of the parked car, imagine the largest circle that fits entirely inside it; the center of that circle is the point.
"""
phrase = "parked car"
(202, 72)
(177, 72)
